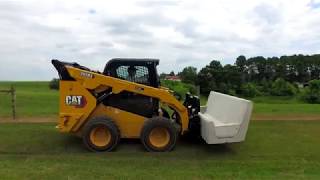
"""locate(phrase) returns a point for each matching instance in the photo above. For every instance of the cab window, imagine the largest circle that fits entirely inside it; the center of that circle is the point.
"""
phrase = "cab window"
(137, 74)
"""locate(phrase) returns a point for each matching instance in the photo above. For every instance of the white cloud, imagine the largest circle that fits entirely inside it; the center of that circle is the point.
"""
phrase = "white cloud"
(180, 33)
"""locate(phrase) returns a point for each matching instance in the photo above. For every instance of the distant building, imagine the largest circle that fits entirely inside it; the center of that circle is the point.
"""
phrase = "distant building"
(302, 85)
(172, 78)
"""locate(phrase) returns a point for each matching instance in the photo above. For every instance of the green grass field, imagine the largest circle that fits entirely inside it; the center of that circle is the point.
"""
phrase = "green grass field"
(283, 105)
(273, 150)
(36, 99)
(33, 99)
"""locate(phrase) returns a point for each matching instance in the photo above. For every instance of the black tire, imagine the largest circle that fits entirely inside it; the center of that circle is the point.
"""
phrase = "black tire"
(105, 124)
(164, 124)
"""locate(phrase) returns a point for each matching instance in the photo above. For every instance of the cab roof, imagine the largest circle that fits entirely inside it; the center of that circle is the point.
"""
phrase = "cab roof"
(133, 60)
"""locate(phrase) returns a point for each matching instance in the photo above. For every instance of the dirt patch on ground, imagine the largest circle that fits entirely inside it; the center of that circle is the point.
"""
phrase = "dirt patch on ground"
(28, 119)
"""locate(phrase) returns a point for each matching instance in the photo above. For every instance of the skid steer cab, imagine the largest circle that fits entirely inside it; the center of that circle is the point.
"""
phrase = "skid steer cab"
(127, 101)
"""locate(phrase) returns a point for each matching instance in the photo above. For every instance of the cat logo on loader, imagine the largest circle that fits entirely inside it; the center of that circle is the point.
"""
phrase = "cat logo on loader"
(127, 101)
(75, 101)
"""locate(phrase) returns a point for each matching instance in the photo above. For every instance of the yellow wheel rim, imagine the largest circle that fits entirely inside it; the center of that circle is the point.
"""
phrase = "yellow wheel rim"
(100, 136)
(159, 137)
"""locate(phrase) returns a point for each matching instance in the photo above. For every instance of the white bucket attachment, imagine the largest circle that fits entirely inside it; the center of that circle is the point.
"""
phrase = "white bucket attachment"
(225, 119)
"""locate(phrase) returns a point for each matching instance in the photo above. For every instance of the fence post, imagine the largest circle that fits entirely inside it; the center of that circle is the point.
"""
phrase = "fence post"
(13, 100)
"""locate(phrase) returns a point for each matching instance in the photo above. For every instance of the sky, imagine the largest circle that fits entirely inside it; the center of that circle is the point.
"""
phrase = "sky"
(179, 33)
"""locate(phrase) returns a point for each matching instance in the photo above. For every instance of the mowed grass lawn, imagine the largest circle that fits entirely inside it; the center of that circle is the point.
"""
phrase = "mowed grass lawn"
(36, 99)
(284, 106)
(272, 150)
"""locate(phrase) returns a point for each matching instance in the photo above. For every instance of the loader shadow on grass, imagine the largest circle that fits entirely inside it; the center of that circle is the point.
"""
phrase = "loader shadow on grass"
(197, 143)
(74, 144)
(43, 138)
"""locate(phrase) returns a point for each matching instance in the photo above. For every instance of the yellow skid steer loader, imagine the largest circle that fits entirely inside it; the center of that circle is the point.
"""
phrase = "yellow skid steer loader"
(127, 101)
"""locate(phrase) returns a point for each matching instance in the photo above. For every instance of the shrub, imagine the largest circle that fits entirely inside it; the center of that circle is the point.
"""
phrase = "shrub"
(179, 88)
(223, 88)
(54, 84)
(280, 87)
(265, 87)
(312, 92)
(250, 90)
(232, 92)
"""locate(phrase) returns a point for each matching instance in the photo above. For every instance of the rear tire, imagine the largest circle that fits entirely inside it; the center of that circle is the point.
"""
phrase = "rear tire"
(159, 134)
(101, 134)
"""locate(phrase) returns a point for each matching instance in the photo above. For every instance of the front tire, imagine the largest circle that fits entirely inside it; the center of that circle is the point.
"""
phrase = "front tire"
(159, 134)
(101, 134)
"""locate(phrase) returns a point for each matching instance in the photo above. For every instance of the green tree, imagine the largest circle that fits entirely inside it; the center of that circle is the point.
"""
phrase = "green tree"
(250, 90)
(280, 87)
(163, 75)
(206, 80)
(54, 84)
(241, 63)
(232, 77)
(210, 76)
(215, 65)
(312, 92)
(189, 75)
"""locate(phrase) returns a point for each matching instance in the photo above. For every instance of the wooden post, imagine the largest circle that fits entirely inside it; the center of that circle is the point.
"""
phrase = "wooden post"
(13, 99)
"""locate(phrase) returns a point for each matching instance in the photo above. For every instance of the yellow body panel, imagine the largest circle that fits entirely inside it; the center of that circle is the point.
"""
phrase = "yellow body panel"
(72, 118)
(129, 124)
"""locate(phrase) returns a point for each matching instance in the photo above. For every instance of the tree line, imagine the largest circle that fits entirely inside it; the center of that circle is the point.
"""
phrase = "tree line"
(279, 76)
